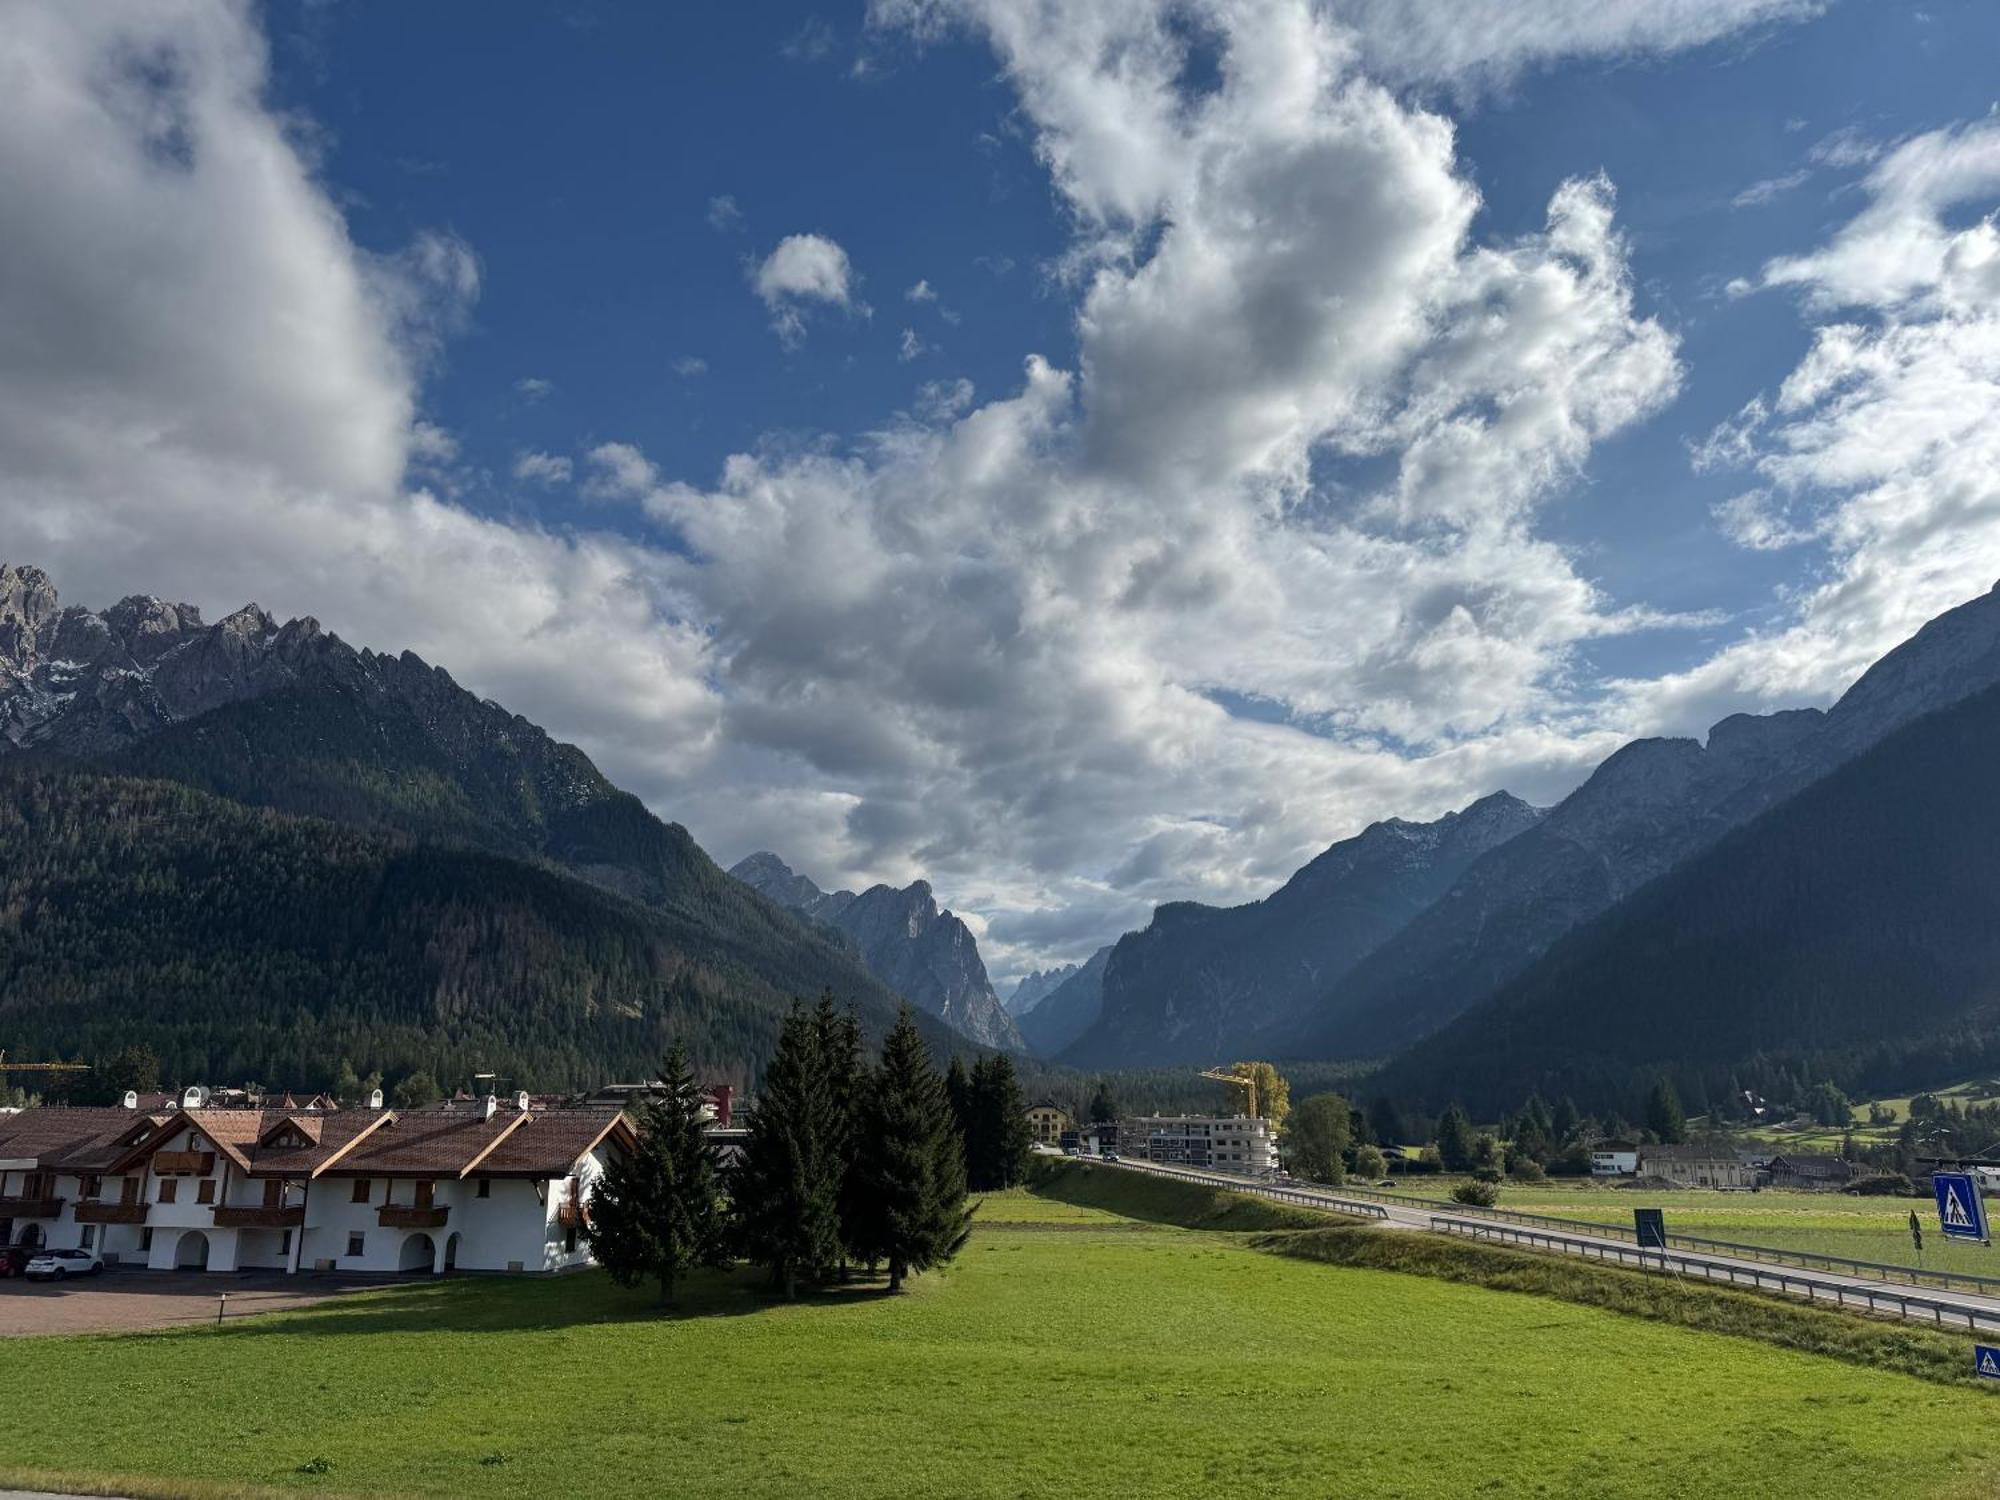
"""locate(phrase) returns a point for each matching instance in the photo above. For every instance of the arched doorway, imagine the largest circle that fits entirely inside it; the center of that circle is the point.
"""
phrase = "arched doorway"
(451, 1252)
(31, 1237)
(191, 1254)
(419, 1254)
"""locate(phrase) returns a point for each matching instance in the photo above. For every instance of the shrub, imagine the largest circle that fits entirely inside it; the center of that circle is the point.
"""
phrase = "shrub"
(1881, 1185)
(1476, 1194)
(1368, 1162)
(1485, 1174)
(1527, 1169)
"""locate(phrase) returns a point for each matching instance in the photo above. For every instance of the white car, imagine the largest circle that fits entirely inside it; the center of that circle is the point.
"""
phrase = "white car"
(54, 1265)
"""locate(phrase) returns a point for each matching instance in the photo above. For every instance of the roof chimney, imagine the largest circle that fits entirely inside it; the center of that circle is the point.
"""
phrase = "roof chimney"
(521, 1101)
(374, 1098)
(489, 1108)
(131, 1099)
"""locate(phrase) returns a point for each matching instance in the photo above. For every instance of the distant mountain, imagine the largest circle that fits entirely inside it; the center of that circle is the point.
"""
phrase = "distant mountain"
(927, 956)
(1203, 983)
(1068, 1010)
(1852, 933)
(292, 719)
(1035, 987)
(1647, 809)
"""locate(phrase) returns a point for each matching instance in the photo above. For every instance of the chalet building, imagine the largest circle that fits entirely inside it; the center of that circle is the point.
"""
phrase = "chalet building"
(1697, 1166)
(1614, 1158)
(1802, 1169)
(1046, 1123)
(473, 1187)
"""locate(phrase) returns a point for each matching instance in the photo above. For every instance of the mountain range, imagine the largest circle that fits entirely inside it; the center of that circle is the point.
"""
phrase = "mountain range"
(924, 954)
(1063, 1014)
(163, 742)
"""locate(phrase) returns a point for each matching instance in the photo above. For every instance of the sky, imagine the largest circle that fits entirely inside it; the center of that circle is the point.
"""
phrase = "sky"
(1084, 456)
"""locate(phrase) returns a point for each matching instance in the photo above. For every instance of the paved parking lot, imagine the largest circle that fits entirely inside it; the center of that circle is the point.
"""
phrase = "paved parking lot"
(124, 1298)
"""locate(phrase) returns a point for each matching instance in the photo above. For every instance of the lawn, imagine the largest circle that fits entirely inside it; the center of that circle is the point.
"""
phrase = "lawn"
(1873, 1229)
(1070, 1351)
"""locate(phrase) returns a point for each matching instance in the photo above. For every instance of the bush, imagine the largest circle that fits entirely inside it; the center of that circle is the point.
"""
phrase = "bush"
(1368, 1162)
(1476, 1194)
(1881, 1185)
(1527, 1169)
(1485, 1174)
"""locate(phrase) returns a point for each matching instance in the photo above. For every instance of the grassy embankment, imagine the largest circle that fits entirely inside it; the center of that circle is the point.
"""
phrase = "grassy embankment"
(1072, 1349)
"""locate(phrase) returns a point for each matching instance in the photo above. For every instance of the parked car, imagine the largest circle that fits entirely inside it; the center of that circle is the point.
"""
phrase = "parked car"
(14, 1259)
(1387, 1182)
(54, 1265)
(1113, 1156)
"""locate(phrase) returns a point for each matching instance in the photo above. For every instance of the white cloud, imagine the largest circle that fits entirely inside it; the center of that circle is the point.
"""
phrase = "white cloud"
(804, 269)
(690, 366)
(921, 292)
(534, 388)
(724, 215)
(541, 468)
(619, 471)
(1767, 189)
(1882, 446)
(910, 346)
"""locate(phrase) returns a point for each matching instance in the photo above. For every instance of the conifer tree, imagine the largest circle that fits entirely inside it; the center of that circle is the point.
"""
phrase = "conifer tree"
(1103, 1106)
(786, 1187)
(958, 1094)
(997, 1136)
(911, 1167)
(1663, 1113)
(839, 1035)
(1454, 1140)
(656, 1213)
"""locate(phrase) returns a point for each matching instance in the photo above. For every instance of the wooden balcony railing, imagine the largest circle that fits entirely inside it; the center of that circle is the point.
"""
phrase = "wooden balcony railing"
(30, 1208)
(94, 1211)
(256, 1216)
(409, 1216)
(201, 1163)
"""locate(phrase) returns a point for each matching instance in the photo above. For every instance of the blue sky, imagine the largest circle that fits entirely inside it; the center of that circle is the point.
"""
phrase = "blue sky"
(1314, 412)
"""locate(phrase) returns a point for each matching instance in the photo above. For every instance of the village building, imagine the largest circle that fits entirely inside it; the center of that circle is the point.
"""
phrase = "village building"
(1046, 1123)
(1224, 1143)
(1810, 1171)
(1698, 1166)
(479, 1186)
(1614, 1158)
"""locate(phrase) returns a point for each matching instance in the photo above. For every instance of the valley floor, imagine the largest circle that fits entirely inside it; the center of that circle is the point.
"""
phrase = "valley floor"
(1070, 1351)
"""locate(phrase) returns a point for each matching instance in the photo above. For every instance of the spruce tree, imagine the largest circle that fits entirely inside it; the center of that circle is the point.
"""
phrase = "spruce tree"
(839, 1035)
(786, 1187)
(999, 1139)
(1103, 1106)
(958, 1094)
(656, 1212)
(1454, 1140)
(911, 1166)
(1663, 1113)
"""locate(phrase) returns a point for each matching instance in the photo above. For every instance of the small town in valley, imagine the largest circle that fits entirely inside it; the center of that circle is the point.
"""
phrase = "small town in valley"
(1000, 750)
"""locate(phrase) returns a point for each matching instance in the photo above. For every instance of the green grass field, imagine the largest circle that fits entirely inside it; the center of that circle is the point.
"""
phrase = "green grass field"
(1070, 1351)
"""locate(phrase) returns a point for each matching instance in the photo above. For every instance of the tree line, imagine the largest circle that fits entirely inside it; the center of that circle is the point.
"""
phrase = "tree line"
(845, 1163)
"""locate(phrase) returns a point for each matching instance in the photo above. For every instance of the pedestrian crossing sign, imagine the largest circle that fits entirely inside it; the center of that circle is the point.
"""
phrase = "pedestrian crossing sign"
(1961, 1211)
(1986, 1361)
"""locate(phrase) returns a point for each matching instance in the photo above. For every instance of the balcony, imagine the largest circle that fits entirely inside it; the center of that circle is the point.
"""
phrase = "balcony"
(30, 1208)
(200, 1163)
(409, 1216)
(570, 1214)
(257, 1216)
(94, 1212)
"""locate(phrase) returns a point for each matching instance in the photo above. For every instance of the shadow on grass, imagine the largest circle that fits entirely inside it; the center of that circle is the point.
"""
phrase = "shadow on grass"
(482, 1304)
(1170, 1201)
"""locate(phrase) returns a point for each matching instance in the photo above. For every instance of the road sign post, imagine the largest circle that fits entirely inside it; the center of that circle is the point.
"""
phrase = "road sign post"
(1650, 1224)
(1961, 1211)
(1986, 1361)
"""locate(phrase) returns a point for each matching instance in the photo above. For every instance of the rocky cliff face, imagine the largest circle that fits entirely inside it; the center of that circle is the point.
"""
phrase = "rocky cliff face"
(1069, 1010)
(1035, 988)
(1647, 809)
(926, 955)
(1203, 983)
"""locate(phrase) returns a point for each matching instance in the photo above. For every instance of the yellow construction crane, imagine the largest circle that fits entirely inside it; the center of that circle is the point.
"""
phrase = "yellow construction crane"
(56, 1067)
(1248, 1085)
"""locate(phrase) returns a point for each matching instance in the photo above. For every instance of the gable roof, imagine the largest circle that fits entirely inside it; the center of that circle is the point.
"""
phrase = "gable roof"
(68, 1138)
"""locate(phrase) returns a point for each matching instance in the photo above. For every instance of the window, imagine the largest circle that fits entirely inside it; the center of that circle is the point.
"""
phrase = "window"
(169, 1189)
(145, 1241)
(425, 1192)
(89, 1235)
(485, 1188)
(569, 1240)
(204, 1191)
(355, 1243)
(285, 1243)
(274, 1193)
(361, 1190)
(91, 1183)
(128, 1190)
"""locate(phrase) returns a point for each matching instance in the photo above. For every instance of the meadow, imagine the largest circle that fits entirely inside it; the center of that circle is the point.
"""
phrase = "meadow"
(1070, 1351)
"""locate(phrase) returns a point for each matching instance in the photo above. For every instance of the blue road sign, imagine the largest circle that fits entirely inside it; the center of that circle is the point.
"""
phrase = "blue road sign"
(1961, 1211)
(1986, 1361)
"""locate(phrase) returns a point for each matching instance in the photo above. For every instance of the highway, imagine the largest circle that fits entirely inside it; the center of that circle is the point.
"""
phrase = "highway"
(1950, 1309)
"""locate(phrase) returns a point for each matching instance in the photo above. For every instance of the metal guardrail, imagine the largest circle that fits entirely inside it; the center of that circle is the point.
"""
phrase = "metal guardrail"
(1811, 1260)
(1251, 1185)
(1875, 1299)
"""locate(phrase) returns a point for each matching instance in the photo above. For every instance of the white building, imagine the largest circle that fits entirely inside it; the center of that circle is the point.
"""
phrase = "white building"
(1614, 1159)
(475, 1187)
(1221, 1143)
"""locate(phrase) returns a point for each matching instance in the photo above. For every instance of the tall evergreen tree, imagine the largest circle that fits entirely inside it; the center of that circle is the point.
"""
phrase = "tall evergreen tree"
(1563, 1123)
(839, 1035)
(1103, 1105)
(786, 1187)
(998, 1139)
(657, 1213)
(1663, 1113)
(911, 1167)
(1454, 1139)
(958, 1094)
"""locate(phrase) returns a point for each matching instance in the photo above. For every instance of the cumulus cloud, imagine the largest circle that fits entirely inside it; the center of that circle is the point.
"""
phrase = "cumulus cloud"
(1882, 446)
(921, 292)
(541, 468)
(803, 270)
(533, 387)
